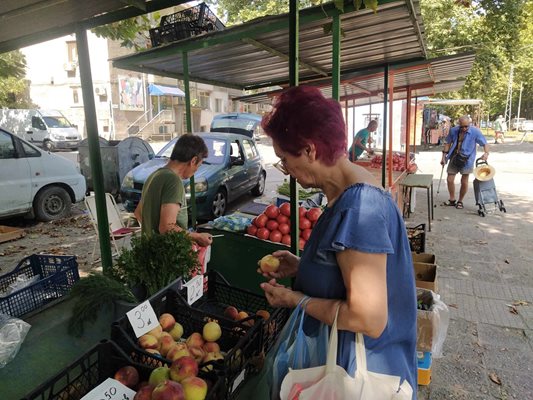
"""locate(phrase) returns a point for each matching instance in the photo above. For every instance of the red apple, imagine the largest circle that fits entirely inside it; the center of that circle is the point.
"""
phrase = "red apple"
(168, 390)
(275, 236)
(272, 211)
(301, 212)
(313, 214)
(301, 243)
(286, 239)
(285, 209)
(263, 233)
(261, 221)
(305, 234)
(284, 229)
(304, 223)
(182, 368)
(282, 219)
(167, 321)
(231, 313)
(144, 393)
(148, 342)
(128, 376)
(272, 225)
(195, 340)
(251, 230)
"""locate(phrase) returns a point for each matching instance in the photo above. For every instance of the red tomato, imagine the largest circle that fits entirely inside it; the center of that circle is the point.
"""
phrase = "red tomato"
(263, 233)
(305, 234)
(286, 239)
(301, 212)
(313, 214)
(275, 236)
(251, 230)
(271, 211)
(282, 219)
(261, 220)
(272, 225)
(284, 228)
(304, 223)
(285, 209)
(301, 243)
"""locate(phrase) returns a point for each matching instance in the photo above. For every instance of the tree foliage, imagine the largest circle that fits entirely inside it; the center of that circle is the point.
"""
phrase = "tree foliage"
(13, 87)
(132, 32)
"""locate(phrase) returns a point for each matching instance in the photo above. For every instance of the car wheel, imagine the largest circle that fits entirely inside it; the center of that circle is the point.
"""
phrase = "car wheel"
(48, 146)
(52, 203)
(259, 189)
(220, 202)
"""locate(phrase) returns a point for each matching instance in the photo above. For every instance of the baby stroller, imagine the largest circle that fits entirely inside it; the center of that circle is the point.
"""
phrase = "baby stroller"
(484, 187)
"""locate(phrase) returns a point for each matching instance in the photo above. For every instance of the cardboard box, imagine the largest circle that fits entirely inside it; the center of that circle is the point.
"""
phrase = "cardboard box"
(426, 276)
(8, 233)
(424, 258)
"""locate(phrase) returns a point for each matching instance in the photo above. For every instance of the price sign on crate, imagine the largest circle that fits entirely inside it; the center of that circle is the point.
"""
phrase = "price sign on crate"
(142, 318)
(110, 389)
(195, 289)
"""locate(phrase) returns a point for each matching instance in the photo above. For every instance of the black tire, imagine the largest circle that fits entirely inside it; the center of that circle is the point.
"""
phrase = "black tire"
(48, 145)
(259, 189)
(219, 204)
(52, 203)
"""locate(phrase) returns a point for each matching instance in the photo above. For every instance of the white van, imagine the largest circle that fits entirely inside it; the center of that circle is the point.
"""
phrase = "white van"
(36, 182)
(46, 128)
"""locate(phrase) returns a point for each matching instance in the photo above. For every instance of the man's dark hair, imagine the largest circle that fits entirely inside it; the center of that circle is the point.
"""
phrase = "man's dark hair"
(187, 147)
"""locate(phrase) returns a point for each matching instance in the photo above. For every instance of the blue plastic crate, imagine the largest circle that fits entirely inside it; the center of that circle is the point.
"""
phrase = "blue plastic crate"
(56, 275)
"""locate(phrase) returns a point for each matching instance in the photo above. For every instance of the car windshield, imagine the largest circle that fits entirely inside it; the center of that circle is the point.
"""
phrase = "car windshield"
(216, 148)
(234, 122)
(57, 122)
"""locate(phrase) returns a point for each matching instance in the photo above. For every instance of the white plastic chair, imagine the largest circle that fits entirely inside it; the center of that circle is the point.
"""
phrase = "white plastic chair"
(118, 232)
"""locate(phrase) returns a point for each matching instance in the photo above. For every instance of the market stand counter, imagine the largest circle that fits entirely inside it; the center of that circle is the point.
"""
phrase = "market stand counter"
(48, 348)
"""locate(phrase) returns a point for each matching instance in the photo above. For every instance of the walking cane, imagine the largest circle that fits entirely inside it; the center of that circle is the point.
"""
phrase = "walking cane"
(440, 179)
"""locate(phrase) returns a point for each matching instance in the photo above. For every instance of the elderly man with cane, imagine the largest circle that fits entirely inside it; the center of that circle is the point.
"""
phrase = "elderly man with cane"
(460, 151)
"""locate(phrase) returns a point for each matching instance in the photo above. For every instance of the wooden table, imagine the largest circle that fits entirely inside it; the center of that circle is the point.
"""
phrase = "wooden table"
(424, 181)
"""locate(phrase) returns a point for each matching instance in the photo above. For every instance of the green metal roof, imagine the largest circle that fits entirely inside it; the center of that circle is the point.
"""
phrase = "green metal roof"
(255, 54)
(425, 78)
(27, 22)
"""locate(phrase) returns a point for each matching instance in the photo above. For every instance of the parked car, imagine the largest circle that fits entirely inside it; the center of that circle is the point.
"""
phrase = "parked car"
(517, 124)
(247, 124)
(527, 125)
(33, 181)
(232, 168)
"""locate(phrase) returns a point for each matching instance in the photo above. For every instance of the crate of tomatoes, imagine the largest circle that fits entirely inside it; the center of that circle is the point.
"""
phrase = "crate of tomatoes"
(274, 224)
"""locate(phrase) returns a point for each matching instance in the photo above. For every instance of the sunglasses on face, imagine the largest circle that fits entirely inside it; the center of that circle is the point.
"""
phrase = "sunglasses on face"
(280, 166)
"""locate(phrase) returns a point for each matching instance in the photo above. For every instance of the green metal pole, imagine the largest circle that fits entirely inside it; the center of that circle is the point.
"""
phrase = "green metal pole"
(385, 111)
(294, 24)
(336, 57)
(188, 118)
(94, 148)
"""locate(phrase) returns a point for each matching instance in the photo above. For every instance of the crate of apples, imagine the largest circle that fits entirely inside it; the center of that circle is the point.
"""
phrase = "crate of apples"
(274, 224)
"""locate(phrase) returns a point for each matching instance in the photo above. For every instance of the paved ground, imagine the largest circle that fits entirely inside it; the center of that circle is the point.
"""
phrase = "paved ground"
(485, 264)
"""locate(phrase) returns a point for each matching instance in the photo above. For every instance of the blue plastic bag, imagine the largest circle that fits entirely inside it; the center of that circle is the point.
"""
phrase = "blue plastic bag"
(297, 349)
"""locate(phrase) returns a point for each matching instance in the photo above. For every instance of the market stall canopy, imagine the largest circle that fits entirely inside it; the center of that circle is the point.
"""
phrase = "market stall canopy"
(162, 90)
(256, 54)
(27, 22)
(429, 77)
(453, 102)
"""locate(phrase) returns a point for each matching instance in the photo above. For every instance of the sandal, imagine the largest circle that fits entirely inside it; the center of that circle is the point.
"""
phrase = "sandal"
(459, 205)
(449, 203)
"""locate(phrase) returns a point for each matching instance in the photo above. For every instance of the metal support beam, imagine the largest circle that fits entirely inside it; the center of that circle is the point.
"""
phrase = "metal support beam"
(385, 108)
(336, 57)
(94, 148)
(414, 127)
(140, 4)
(294, 62)
(408, 128)
(283, 56)
(391, 118)
(188, 119)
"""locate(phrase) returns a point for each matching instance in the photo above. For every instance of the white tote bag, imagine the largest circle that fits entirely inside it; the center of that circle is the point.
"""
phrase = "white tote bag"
(332, 382)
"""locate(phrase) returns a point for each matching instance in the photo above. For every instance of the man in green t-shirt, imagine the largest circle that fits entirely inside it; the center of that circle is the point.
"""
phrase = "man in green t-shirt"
(163, 206)
(360, 140)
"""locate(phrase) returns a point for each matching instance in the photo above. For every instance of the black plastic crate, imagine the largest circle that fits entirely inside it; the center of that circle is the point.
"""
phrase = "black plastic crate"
(56, 275)
(221, 294)
(98, 364)
(417, 238)
(239, 342)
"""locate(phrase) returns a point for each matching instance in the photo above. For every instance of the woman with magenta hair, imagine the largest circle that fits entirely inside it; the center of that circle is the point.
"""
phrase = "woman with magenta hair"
(358, 254)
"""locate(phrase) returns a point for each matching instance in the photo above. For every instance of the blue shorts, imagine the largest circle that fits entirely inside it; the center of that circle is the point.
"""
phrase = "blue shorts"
(453, 170)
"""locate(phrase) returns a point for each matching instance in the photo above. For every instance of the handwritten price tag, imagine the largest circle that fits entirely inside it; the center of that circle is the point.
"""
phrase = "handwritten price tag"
(195, 289)
(142, 318)
(110, 389)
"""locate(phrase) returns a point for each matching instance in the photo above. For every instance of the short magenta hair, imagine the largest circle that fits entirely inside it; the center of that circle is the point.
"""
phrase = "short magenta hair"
(302, 115)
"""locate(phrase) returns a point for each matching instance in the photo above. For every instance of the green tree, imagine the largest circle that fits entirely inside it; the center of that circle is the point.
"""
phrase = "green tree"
(14, 89)
(132, 32)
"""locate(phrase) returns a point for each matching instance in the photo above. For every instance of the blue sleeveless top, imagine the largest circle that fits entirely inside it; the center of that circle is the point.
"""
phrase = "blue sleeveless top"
(365, 218)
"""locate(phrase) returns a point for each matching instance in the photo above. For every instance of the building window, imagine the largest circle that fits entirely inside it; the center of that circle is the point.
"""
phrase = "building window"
(203, 100)
(72, 52)
(75, 96)
(218, 105)
(247, 108)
